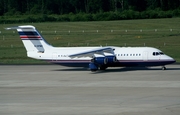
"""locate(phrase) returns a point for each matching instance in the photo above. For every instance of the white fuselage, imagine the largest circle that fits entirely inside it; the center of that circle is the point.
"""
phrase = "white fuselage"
(126, 56)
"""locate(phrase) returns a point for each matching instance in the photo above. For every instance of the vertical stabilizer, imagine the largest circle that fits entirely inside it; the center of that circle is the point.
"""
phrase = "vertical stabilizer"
(31, 38)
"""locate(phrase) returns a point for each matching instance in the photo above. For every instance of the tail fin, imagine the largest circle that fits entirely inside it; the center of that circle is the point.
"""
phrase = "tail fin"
(31, 38)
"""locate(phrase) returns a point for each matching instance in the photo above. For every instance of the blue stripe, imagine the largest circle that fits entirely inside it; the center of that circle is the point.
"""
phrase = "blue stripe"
(28, 33)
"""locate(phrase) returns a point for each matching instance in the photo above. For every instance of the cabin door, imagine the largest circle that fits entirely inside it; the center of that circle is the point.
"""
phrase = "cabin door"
(145, 56)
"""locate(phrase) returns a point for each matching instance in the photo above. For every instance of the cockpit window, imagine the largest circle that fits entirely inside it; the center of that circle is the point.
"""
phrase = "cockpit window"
(161, 53)
(157, 53)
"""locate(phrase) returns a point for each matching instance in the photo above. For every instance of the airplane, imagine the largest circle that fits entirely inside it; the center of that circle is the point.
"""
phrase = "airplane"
(97, 58)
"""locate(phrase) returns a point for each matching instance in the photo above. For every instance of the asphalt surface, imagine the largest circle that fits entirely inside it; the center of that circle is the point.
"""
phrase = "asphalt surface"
(57, 90)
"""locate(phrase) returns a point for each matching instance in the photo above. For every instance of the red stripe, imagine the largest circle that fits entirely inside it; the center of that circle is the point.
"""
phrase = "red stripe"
(30, 36)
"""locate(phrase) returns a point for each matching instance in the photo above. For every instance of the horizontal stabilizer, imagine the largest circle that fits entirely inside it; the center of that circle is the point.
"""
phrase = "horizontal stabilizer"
(21, 27)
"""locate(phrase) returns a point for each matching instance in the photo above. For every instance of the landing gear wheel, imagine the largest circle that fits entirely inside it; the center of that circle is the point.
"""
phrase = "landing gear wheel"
(163, 68)
(103, 68)
(93, 70)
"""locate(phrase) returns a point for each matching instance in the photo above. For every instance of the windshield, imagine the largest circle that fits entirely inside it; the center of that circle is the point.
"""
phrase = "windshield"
(157, 53)
(161, 53)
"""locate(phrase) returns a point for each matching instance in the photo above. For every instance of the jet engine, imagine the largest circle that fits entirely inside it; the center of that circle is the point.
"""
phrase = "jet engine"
(93, 66)
(111, 59)
(100, 60)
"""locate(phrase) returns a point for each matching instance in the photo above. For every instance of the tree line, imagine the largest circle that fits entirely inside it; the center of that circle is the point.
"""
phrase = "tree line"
(85, 10)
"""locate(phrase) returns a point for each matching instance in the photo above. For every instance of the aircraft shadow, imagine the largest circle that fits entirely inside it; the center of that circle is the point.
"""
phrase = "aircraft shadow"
(126, 69)
(72, 69)
(122, 69)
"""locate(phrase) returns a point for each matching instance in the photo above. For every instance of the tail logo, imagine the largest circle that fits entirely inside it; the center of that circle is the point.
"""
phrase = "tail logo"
(31, 38)
(29, 35)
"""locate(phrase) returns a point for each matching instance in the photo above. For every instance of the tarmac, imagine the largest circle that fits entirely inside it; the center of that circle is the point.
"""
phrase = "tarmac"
(58, 90)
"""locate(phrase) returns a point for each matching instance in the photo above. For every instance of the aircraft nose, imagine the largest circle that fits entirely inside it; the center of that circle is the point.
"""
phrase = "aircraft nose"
(168, 59)
(172, 60)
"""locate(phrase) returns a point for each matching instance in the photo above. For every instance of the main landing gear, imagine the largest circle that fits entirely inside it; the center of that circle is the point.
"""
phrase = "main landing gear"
(103, 67)
(94, 67)
(163, 68)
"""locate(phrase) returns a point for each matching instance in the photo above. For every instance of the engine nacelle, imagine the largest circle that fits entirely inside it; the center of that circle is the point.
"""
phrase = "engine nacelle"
(111, 59)
(99, 60)
(93, 66)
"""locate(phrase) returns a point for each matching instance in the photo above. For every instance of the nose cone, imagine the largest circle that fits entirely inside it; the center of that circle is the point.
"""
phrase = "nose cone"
(167, 59)
(172, 60)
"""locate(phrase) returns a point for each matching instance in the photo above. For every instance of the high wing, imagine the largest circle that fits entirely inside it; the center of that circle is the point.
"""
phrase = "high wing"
(91, 53)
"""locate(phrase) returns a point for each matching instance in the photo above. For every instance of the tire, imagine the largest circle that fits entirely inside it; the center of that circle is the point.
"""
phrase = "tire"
(103, 68)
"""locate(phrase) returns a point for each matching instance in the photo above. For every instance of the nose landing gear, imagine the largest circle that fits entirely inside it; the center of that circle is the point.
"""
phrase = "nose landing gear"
(163, 68)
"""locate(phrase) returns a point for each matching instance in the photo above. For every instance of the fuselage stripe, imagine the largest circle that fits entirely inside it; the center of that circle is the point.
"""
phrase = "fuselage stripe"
(119, 61)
